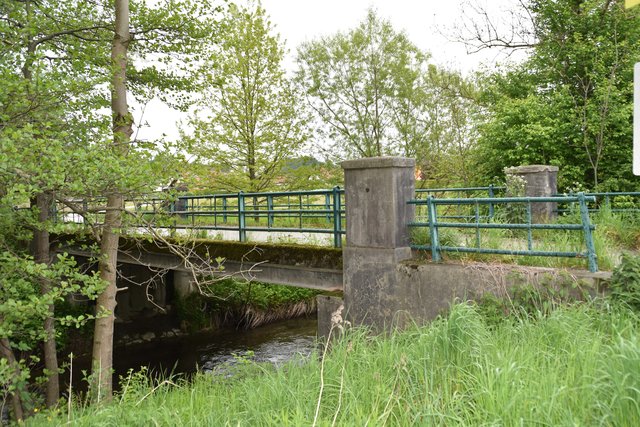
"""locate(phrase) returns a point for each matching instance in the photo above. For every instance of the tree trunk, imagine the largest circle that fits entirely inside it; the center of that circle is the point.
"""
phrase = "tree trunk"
(7, 353)
(122, 129)
(42, 255)
(102, 356)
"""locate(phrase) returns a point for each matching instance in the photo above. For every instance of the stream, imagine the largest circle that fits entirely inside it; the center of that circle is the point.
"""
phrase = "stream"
(275, 343)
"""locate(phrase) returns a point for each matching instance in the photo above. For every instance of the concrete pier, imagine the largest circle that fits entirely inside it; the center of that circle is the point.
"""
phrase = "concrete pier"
(376, 194)
(539, 181)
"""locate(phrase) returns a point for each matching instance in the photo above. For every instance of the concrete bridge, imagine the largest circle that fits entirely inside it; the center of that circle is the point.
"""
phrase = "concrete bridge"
(383, 284)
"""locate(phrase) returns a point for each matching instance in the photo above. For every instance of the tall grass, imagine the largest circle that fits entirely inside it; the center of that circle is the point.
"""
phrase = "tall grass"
(576, 366)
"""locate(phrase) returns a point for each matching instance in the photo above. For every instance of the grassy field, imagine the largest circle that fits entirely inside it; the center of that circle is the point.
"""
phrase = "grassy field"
(577, 365)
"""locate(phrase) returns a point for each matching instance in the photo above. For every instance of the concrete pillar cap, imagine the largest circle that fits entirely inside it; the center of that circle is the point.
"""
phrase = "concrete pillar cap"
(530, 169)
(379, 162)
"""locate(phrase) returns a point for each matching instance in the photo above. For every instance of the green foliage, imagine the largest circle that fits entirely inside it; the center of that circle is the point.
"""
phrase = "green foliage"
(458, 370)
(255, 123)
(625, 282)
(376, 94)
(570, 103)
(529, 301)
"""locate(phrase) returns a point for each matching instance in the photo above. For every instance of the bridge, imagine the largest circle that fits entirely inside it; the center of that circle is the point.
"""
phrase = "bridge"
(374, 263)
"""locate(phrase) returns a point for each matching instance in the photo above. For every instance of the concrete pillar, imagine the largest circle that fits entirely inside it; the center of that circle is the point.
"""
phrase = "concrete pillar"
(330, 312)
(539, 181)
(183, 283)
(376, 193)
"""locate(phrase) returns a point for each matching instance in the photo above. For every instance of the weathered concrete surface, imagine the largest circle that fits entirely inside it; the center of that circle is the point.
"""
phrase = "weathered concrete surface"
(376, 192)
(540, 181)
(328, 306)
(424, 289)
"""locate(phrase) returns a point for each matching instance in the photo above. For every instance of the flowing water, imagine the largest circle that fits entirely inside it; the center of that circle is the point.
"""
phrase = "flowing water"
(275, 343)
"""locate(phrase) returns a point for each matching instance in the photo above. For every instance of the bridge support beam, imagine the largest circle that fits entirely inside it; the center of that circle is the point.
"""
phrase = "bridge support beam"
(376, 194)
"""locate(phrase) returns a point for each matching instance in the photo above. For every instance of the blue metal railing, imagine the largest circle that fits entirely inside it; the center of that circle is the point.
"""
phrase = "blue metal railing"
(434, 223)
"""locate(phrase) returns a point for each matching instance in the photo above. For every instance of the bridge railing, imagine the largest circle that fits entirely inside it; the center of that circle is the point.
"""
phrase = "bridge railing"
(517, 218)
(618, 202)
(313, 211)
(460, 212)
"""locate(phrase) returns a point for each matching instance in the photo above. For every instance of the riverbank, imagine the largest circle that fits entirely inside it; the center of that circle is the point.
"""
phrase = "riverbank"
(579, 365)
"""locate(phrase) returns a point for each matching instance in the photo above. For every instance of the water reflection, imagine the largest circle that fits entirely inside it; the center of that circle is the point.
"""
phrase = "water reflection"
(276, 343)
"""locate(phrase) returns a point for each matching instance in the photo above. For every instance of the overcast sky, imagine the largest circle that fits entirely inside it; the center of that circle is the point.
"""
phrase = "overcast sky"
(428, 23)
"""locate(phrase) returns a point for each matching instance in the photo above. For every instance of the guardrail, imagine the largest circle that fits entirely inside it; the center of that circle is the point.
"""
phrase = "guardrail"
(491, 191)
(607, 200)
(314, 211)
(434, 224)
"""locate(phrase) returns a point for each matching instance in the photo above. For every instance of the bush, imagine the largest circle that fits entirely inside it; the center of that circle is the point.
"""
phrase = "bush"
(625, 282)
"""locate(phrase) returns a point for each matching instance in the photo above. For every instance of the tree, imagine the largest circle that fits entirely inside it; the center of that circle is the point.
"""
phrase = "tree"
(364, 86)
(53, 133)
(43, 51)
(172, 33)
(253, 121)
(570, 103)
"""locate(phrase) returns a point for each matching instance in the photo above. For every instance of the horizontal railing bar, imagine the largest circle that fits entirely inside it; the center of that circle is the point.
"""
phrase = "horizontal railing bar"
(497, 200)
(276, 229)
(611, 194)
(503, 251)
(503, 226)
(441, 190)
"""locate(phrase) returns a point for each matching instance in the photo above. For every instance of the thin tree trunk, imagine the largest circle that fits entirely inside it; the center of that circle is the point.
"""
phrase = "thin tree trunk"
(102, 356)
(122, 130)
(41, 252)
(7, 353)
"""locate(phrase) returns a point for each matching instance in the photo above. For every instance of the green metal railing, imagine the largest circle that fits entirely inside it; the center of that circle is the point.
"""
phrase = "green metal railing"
(435, 223)
(314, 211)
(611, 201)
(459, 211)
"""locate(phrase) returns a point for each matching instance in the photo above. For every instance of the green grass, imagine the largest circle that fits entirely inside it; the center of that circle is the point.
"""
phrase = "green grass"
(576, 366)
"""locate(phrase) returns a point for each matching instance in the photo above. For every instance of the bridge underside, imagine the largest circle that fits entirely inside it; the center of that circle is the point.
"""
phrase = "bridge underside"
(303, 276)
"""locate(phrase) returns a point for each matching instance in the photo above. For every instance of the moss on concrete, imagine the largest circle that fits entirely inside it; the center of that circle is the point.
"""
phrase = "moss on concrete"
(285, 254)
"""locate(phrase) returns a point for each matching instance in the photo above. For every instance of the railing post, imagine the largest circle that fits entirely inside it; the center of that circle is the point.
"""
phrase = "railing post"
(588, 237)
(172, 214)
(327, 206)
(491, 196)
(224, 209)
(269, 209)
(337, 218)
(242, 226)
(433, 229)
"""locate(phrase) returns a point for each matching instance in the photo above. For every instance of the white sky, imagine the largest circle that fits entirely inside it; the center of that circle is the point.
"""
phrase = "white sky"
(424, 21)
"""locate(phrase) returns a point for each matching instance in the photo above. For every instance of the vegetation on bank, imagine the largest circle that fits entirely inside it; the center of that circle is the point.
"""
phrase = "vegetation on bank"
(537, 357)
(578, 365)
(244, 304)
